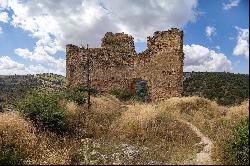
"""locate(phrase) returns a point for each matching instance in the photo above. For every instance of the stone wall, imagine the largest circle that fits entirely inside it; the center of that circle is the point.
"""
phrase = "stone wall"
(117, 66)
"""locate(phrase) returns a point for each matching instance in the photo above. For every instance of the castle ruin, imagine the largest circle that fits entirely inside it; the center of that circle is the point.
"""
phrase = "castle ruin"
(116, 65)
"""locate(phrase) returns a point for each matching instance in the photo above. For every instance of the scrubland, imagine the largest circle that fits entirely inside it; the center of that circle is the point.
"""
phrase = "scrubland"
(117, 132)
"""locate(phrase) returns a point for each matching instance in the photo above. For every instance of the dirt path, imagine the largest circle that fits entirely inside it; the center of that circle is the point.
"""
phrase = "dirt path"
(203, 157)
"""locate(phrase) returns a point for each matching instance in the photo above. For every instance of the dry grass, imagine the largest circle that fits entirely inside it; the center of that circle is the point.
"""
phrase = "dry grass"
(239, 111)
(17, 133)
(95, 122)
(35, 146)
(76, 119)
(155, 126)
(213, 120)
(53, 149)
(143, 124)
(135, 121)
(104, 110)
(169, 140)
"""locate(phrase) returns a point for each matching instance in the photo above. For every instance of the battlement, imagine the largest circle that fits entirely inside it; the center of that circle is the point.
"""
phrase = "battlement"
(115, 65)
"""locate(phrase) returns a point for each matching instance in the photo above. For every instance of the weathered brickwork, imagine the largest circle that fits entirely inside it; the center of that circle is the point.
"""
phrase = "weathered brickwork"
(116, 65)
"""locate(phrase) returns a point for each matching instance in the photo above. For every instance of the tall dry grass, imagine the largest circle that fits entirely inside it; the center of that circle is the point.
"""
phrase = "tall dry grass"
(215, 121)
(52, 149)
(96, 121)
(157, 126)
(17, 137)
(104, 111)
(31, 146)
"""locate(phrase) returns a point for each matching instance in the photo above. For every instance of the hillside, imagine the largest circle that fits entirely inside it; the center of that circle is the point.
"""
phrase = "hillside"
(224, 88)
(52, 125)
(16, 86)
(187, 130)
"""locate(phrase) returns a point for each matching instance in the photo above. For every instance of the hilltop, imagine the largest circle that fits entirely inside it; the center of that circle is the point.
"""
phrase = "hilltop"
(50, 124)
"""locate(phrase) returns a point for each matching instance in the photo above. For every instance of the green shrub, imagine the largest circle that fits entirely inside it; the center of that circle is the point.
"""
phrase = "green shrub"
(122, 94)
(110, 40)
(74, 95)
(236, 148)
(78, 94)
(45, 110)
(11, 156)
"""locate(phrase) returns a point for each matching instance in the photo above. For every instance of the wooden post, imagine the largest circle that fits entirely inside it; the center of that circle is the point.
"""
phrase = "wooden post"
(88, 79)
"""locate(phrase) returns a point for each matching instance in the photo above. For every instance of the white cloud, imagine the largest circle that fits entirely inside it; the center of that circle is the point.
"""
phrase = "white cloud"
(217, 47)
(210, 31)
(3, 4)
(41, 56)
(10, 67)
(4, 17)
(242, 46)
(7, 63)
(87, 21)
(32, 69)
(1, 30)
(199, 58)
(231, 4)
(57, 23)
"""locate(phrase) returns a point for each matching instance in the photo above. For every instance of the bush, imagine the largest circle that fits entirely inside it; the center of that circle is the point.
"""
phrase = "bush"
(75, 95)
(47, 108)
(122, 94)
(78, 94)
(236, 148)
(11, 156)
(44, 110)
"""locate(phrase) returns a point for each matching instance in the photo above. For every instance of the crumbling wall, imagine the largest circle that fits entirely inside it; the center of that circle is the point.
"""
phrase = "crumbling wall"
(162, 64)
(116, 65)
(110, 65)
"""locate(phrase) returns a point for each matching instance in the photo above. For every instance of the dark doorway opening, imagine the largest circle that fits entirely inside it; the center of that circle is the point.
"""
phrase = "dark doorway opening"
(141, 90)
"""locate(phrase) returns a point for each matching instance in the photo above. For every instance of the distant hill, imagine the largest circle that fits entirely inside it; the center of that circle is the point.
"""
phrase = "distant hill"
(223, 87)
(15, 86)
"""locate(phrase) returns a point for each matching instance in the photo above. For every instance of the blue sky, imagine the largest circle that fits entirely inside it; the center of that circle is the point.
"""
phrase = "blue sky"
(33, 34)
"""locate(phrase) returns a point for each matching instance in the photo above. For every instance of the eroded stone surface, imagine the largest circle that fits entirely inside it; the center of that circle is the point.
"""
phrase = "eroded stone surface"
(116, 65)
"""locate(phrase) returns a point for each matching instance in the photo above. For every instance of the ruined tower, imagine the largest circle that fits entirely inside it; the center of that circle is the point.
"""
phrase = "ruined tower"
(116, 65)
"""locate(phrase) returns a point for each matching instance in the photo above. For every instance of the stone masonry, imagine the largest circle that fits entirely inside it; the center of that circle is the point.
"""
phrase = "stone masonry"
(116, 65)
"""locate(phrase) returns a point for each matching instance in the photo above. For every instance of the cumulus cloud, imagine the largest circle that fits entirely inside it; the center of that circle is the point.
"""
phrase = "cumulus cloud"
(199, 58)
(242, 46)
(35, 69)
(10, 67)
(231, 4)
(87, 21)
(57, 23)
(7, 63)
(210, 31)
(41, 56)
(4, 17)
(3, 4)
